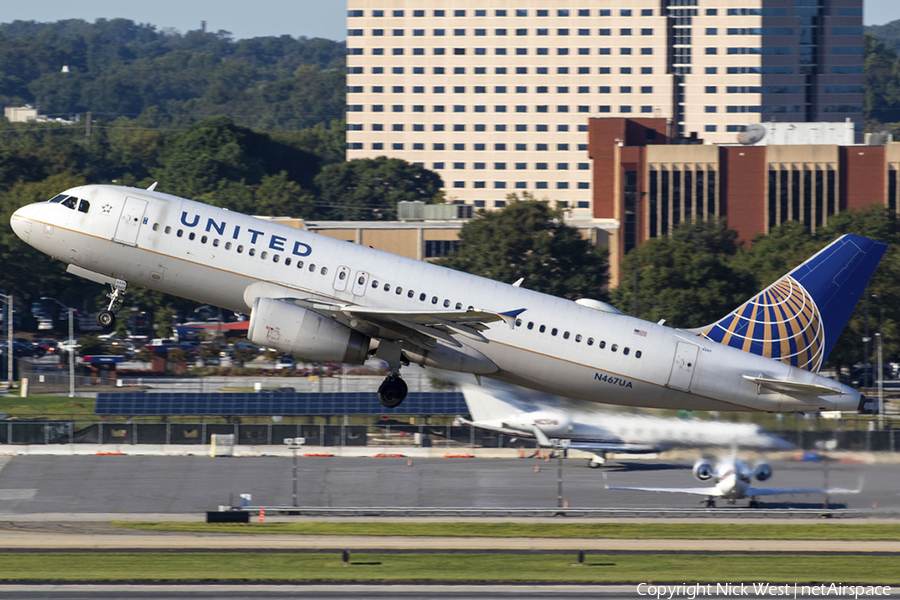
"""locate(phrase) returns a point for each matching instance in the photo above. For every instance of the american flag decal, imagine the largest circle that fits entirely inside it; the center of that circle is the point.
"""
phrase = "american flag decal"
(640, 332)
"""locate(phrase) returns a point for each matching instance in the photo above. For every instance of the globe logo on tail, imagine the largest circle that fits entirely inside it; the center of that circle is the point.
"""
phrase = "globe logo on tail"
(781, 322)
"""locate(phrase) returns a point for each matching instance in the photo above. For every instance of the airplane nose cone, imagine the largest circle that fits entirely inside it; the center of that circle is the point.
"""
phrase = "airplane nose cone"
(21, 224)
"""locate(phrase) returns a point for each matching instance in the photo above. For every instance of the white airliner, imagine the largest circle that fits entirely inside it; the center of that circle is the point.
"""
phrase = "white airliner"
(732, 482)
(565, 424)
(325, 299)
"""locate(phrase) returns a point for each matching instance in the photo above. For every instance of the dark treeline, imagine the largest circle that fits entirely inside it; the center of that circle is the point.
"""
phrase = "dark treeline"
(117, 68)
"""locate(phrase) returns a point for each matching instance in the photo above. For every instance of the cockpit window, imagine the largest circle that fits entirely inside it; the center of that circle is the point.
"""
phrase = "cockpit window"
(84, 206)
(58, 198)
(70, 202)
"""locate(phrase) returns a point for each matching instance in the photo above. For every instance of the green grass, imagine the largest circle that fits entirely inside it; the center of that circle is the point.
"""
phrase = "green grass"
(710, 531)
(374, 567)
(44, 406)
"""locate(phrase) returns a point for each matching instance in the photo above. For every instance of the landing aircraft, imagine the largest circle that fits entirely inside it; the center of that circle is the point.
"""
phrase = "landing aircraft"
(732, 482)
(565, 424)
(330, 300)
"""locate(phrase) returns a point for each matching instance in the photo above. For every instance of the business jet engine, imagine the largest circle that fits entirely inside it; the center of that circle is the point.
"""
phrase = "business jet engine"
(295, 330)
(762, 471)
(703, 469)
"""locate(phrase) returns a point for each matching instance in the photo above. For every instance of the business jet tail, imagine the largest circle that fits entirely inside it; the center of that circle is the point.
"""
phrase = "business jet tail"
(798, 319)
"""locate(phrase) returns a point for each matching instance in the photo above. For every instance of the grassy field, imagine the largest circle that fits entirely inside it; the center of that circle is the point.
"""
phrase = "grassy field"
(710, 531)
(43, 406)
(374, 567)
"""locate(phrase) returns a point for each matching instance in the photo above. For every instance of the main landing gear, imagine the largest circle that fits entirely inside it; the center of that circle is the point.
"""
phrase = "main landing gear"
(393, 389)
(107, 317)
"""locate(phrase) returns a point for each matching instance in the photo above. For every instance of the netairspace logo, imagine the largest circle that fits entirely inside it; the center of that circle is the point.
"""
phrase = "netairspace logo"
(788, 590)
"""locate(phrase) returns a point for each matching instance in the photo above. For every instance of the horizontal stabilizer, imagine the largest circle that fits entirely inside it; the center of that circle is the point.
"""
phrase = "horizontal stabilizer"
(793, 387)
(697, 491)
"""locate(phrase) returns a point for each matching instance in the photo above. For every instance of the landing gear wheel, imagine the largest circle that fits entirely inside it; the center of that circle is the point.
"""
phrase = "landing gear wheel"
(754, 503)
(392, 391)
(106, 318)
(594, 464)
(710, 503)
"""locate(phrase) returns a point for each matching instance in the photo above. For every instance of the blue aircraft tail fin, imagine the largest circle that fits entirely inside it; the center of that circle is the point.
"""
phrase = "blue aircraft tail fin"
(798, 319)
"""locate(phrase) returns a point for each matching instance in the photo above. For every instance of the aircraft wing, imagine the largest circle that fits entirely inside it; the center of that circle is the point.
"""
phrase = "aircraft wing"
(776, 491)
(697, 491)
(433, 324)
(613, 447)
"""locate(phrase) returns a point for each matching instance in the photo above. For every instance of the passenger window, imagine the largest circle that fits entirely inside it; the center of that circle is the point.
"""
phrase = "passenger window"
(216, 242)
(458, 305)
(518, 322)
(203, 239)
(410, 294)
(312, 268)
(342, 275)
(240, 249)
(192, 236)
(156, 227)
(542, 329)
(324, 271)
(374, 284)
(578, 338)
(361, 280)
(264, 255)
(602, 345)
(553, 331)
(299, 264)
(422, 297)
(566, 335)
(168, 229)
(252, 251)
(530, 324)
(614, 347)
(180, 233)
(434, 299)
(85, 206)
(625, 350)
(398, 290)
(387, 287)
(590, 341)
(446, 304)
(637, 353)
(276, 258)
(287, 261)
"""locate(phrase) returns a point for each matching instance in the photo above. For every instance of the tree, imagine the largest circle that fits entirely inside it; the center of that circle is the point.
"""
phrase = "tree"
(165, 321)
(686, 278)
(369, 188)
(528, 239)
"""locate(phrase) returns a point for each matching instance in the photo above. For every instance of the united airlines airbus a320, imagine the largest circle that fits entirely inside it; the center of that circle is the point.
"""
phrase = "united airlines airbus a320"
(330, 300)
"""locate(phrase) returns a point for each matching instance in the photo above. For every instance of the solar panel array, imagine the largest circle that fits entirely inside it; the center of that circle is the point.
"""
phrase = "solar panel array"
(277, 403)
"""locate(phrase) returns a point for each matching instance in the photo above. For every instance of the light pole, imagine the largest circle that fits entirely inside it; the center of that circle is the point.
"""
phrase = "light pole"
(71, 312)
(9, 336)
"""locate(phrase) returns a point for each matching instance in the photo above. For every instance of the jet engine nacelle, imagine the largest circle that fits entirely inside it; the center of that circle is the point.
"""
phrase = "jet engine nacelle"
(762, 471)
(295, 330)
(703, 469)
(553, 424)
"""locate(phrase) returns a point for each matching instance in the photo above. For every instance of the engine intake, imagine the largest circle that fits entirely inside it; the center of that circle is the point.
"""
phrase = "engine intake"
(762, 471)
(295, 330)
(703, 470)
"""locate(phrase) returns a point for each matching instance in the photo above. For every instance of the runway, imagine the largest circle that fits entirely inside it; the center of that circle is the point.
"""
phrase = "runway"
(187, 486)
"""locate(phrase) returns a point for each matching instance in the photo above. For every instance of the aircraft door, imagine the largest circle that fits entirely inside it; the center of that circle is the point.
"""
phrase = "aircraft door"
(683, 366)
(360, 283)
(341, 278)
(130, 221)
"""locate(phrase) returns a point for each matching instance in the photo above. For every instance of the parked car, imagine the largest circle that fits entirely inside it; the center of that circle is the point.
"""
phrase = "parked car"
(286, 362)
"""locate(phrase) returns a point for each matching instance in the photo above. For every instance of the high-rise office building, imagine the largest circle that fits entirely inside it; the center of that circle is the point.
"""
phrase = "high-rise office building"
(495, 95)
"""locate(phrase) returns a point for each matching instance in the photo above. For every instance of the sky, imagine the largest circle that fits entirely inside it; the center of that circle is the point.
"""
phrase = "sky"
(247, 19)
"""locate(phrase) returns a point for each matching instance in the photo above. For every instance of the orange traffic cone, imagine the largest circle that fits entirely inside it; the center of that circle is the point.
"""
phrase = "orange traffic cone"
(262, 515)
(409, 462)
(537, 468)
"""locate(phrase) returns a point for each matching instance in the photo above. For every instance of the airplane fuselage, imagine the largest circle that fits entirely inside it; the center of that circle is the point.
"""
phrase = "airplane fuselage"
(228, 259)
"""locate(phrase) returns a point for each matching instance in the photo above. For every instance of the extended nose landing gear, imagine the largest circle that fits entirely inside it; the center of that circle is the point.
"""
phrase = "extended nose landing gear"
(107, 317)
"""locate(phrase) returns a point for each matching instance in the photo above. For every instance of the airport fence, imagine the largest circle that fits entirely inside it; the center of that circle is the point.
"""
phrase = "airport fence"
(372, 435)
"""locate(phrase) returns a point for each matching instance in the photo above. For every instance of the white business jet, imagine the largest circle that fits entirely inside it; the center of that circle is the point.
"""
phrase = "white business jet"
(732, 478)
(325, 299)
(564, 424)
